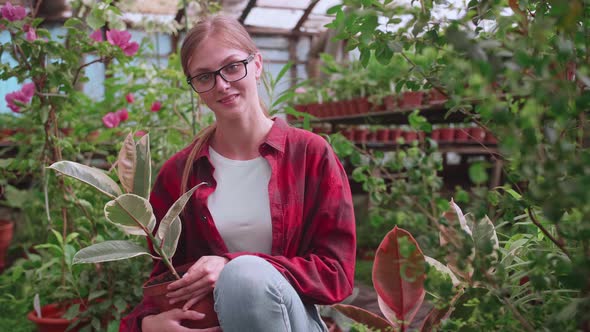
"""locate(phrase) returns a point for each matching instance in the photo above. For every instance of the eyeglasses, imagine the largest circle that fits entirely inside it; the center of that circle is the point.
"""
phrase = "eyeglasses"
(232, 72)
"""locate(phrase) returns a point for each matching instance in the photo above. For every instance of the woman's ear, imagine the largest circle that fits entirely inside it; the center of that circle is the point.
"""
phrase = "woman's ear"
(258, 63)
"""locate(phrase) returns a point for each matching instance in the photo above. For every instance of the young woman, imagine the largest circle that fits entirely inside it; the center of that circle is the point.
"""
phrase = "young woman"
(274, 232)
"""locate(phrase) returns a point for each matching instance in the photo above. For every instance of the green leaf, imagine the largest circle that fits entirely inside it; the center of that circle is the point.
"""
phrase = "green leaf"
(478, 173)
(95, 20)
(283, 71)
(90, 175)
(442, 268)
(132, 213)
(109, 251)
(383, 54)
(126, 162)
(142, 182)
(73, 23)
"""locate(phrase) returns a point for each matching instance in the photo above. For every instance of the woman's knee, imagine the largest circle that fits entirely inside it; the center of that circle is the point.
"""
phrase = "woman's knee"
(245, 274)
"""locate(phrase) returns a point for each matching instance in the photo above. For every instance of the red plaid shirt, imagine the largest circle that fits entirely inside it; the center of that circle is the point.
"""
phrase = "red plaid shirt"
(313, 226)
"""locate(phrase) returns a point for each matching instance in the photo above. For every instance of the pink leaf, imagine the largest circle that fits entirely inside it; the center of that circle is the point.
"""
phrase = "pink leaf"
(363, 316)
(13, 13)
(398, 274)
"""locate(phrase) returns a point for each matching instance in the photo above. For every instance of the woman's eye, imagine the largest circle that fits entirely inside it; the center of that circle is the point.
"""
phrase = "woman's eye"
(204, 78)
(232, 67)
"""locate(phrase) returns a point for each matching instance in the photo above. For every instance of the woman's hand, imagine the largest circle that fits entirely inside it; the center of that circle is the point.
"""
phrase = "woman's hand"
(197, 282)
(170, 321)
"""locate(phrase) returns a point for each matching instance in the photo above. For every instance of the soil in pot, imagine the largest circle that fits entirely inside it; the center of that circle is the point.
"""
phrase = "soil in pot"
(155, 289)
(6, 232)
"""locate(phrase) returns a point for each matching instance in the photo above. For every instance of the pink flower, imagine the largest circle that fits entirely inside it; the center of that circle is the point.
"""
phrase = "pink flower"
(111, 120)
(130, 98)
(300, 90)
(13, 13)
(23, 96)
(121, 39)
(140, 133)
(29, 90)
(97, 35)
(123, 114)
(156, 106)
(31, 35)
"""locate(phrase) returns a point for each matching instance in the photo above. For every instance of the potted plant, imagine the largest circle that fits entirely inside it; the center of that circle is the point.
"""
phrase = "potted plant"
(6, 232)
(130, 210)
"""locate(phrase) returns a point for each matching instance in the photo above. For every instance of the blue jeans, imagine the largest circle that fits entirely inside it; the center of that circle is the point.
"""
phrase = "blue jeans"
(251, 295)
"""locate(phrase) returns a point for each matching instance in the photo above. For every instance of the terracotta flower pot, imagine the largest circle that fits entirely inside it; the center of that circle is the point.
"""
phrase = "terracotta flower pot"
(461, 135)
(411, 99)
(447, 134)
(361, 135)
(490, 138)
(478, 134)
(383, 135)
(435, 135)
(395, 134)
(362, 105)
(436, 97)
(6, 232)
(389, 103)
(410, 136)
(155, 289)
(51, 318)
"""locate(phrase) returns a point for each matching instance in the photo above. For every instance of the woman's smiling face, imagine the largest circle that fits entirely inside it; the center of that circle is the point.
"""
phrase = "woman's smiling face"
(226, 99)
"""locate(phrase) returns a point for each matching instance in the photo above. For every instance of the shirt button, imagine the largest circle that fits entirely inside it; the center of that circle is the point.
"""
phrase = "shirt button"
(204, 218)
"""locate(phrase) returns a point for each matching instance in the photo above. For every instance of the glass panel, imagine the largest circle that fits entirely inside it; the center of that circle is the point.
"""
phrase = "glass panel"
(296, 4)
(324, 5)
(94, 88)
(271, 42)
(263, 17)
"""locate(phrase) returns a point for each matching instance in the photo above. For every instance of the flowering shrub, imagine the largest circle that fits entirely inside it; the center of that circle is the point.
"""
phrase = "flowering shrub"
(54, 119)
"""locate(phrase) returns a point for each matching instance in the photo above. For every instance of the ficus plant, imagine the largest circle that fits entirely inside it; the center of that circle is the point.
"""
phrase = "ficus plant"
(129, 208)
(401, 269)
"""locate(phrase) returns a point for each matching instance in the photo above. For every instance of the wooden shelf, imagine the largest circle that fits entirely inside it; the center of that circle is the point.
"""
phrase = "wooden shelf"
(464, 148)
(434, 113)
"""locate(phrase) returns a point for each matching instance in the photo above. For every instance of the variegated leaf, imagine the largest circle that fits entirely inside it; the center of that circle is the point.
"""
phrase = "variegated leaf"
(109, 251)
(90, 175)
(132, 213)
(174, 211)
(126, 163)
(142, 181)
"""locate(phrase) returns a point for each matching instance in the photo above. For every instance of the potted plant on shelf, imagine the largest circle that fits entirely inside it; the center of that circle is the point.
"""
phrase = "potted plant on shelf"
(130, 210)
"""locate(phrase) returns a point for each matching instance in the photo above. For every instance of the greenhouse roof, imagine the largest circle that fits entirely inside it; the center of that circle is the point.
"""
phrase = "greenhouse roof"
(262, 16)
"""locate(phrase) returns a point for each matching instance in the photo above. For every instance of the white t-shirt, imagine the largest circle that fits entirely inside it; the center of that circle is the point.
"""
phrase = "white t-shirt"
(240, 205)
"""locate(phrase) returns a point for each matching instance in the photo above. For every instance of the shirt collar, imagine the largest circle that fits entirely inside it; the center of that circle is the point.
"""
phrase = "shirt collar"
(276, 138)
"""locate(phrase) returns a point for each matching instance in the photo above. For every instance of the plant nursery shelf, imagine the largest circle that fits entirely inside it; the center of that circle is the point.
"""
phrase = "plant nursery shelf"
(463, 148)
(434, 114)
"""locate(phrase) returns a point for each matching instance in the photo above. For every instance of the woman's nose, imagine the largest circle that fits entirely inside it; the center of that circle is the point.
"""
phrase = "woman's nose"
(221, 83)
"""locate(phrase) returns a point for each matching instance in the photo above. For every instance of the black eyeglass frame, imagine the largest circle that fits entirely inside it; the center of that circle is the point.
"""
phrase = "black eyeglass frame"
(245, 62)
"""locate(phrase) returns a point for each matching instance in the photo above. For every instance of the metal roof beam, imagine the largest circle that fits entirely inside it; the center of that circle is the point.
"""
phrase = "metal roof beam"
(305, 15)
(246, 12)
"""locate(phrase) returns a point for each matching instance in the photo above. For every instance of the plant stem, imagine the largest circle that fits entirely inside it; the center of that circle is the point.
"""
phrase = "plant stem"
(101, 59)
(547, 234)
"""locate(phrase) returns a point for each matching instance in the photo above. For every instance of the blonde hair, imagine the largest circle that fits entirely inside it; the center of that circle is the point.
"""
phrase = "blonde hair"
(228, 32)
